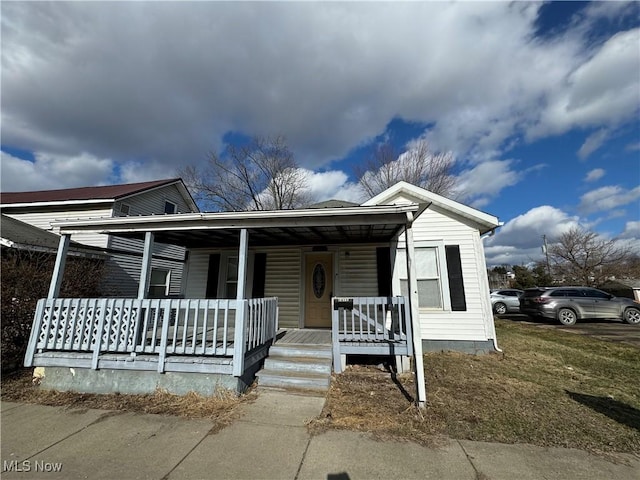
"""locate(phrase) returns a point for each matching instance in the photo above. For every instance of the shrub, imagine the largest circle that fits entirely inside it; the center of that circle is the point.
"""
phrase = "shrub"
(26, 276)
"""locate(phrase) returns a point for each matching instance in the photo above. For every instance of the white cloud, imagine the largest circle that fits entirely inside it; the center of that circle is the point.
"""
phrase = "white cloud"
(592, 143)
(607, 198)
(594, 175)
(164, 81)
(525, 231)
(50, 171)
(590, 95)
(133, 172)
(631, 230)
(485, 181)
(333, 185)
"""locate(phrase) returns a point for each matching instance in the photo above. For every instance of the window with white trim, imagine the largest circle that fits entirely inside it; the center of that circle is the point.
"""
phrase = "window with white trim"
(427, 275)
(125, 209)
(170, 207)
(159, 283)
(231, 278)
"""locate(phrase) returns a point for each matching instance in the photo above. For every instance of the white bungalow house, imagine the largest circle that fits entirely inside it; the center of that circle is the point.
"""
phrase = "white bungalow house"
(402, 272)
(42, 209)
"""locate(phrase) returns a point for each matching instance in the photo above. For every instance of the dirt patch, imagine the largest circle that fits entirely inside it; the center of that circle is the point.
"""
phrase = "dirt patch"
(548, 388)
(222, 408)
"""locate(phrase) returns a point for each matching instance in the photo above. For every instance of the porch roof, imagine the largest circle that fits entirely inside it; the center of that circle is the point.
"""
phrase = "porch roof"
(362, 224)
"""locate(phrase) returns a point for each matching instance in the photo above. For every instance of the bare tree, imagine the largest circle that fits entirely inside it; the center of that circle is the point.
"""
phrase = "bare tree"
(584, 257)
(262, 175)
(418, 166)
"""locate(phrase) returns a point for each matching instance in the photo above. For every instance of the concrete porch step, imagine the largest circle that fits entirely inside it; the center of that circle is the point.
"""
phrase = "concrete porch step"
(289, 379)
(299, 364)
(300, 350)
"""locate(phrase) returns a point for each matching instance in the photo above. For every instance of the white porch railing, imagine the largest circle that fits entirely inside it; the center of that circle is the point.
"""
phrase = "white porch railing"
(370, 326)
(162, 327)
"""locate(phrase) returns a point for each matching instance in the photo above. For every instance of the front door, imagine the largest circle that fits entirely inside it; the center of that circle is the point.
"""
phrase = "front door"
(318, 290)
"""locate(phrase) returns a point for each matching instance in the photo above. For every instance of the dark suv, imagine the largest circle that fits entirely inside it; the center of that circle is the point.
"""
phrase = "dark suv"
(568, 304)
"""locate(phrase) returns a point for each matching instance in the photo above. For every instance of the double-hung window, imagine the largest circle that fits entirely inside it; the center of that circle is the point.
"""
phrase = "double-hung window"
(159, 283)
(231, 280)
(427, 276)
(438, 274)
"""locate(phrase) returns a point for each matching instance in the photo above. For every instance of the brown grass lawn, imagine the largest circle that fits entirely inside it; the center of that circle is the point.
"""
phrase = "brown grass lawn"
(548, 388)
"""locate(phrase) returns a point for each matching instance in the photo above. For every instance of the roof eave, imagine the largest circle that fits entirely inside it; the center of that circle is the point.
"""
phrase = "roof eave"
(238, 220)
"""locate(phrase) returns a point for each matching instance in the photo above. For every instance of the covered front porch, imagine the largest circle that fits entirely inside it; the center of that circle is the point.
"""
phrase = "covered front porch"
(226, 337)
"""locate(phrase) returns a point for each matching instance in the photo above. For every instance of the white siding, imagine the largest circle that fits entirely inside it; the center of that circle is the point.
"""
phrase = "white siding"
(473, 323)
(476, 323)
(43, 219)
(357, 272)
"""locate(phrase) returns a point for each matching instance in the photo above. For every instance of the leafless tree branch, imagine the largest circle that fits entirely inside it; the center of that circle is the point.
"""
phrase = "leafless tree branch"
(262, 175)
(418, 166)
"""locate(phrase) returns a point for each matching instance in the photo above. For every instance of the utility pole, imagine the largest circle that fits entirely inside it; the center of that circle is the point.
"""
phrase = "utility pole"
(546, 253)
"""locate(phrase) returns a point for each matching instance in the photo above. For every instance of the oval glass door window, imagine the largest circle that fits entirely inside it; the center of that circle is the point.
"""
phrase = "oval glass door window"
(319, 279)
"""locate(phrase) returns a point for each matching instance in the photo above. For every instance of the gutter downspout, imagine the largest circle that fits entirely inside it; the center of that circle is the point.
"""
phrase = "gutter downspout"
(490, 234)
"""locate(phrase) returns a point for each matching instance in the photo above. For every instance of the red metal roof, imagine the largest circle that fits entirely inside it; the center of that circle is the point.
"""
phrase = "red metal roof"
(106, 192)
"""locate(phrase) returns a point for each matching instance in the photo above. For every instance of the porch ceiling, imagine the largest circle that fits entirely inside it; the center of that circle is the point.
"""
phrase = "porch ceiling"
(268, 228)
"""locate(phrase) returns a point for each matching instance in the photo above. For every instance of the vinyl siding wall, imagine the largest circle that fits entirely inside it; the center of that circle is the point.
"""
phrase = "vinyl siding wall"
(355, 276)
(357, 271)
(124, 270)
(476, 323)
(152, 202)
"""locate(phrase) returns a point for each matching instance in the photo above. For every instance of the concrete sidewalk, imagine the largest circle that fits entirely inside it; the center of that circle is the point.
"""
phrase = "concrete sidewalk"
(270, 441)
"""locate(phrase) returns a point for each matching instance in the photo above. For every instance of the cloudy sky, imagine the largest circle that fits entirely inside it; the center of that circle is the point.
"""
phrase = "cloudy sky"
(539, 103)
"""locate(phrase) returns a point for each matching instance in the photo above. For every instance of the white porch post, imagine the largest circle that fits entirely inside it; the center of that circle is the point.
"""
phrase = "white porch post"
(58, 269)
(239, 343)
(243, 260)
(415, 317)
(145, 271)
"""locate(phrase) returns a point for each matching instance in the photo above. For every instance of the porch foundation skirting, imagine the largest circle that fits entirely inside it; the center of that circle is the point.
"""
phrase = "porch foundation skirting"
(474, 347)
(136, 382)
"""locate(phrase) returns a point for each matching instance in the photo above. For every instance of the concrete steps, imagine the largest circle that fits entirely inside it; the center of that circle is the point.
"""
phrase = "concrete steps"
(297, 367)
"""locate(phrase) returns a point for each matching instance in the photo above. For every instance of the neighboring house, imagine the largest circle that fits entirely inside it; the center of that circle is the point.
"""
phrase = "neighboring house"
(20, 236)
(42, 209)
(402, 272)
(625, 287)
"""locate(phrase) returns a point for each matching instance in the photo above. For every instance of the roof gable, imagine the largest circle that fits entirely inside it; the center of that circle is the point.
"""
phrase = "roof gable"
(483, 221)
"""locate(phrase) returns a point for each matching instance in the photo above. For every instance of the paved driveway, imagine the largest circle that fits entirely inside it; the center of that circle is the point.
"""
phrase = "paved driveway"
(610, 330)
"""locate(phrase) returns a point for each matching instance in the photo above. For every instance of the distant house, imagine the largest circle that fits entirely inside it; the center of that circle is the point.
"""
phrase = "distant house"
(402, 272)
(627, 287)
(42, 209)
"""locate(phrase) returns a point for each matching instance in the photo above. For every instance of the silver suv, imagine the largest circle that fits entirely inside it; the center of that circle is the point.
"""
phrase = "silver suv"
(568, 304)
(505, 300)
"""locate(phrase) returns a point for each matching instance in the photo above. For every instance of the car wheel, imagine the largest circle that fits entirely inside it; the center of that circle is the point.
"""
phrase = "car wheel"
(500, 308)
(632, 316)
(567, 317)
